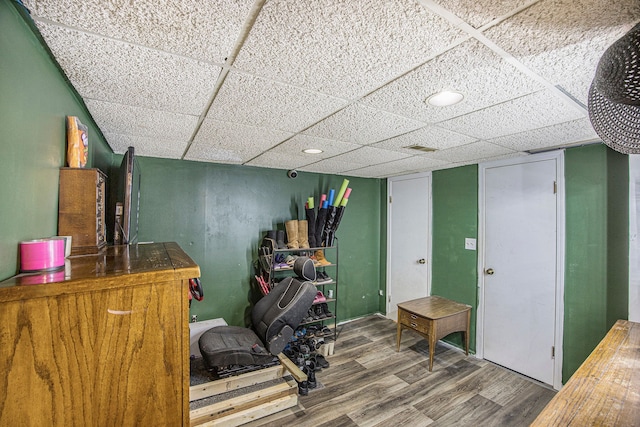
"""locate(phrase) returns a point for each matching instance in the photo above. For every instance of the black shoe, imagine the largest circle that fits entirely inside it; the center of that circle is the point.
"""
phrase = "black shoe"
(321, 362)
(319, 312)
(311, 375)
(303, 388)
(324, 307)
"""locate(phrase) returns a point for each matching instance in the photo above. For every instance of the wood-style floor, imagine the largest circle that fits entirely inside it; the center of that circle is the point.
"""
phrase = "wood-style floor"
(370, 384)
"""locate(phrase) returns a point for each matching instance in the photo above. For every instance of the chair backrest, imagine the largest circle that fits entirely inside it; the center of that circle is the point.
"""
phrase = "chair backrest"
(278, 314)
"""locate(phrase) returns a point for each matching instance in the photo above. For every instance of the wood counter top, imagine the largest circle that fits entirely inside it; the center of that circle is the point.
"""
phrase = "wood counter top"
(605, 390)
(112, 267)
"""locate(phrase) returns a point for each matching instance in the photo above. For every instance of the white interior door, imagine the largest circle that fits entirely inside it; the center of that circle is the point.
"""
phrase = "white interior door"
(520, 271)
(408, 258)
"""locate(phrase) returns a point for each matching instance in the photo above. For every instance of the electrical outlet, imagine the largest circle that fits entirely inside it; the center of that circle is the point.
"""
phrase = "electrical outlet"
(194, 318)
(470, 244)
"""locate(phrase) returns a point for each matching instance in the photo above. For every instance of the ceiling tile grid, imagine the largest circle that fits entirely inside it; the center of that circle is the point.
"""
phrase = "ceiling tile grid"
(138, 121)
(551, 136)
(539, 109)
(300, 142)
(226, 142)
(399, 167)
(342, 48)
(183, 27)
(427, 137)
(147, 146)
(470, 68)
(481, 12)
(562, 40)
(469, 152)
(256, 82)
(258, 102)
(109, 70)
(362, 125)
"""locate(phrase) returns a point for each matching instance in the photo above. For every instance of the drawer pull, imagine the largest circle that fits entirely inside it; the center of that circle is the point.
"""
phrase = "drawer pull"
(413, 325)
(414, 317)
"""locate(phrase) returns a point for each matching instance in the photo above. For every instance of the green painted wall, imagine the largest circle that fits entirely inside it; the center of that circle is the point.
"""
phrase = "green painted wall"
(596, 275)
(219, 214)
(455, 216)
(34, 100)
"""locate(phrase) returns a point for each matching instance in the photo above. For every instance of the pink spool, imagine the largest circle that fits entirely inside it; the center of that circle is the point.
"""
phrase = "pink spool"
(41, 254)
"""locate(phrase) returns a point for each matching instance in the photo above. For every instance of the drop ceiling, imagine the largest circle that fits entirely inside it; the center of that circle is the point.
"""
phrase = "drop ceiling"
(256, 82)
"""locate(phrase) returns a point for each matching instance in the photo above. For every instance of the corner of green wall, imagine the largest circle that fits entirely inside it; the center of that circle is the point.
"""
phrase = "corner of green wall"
(455, 217)
(596, 252)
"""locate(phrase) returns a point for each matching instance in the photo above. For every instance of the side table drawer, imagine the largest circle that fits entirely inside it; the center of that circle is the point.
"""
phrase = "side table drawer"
(413, 321)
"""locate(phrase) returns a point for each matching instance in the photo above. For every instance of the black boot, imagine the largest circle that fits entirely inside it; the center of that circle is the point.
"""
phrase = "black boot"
(280, 239)
(303, 386)
(311, 375)
(311, 220)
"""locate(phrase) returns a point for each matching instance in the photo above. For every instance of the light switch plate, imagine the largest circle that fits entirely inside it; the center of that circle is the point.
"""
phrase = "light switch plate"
(470, 244)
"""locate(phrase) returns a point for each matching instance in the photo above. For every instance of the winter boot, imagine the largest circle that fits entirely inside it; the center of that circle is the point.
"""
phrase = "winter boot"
(303, 235)
(311, 222)
(321, 259)
(280, 240)
(292, 234)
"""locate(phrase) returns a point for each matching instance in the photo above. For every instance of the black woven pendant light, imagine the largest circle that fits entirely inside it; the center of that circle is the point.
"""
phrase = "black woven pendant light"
(614, 96)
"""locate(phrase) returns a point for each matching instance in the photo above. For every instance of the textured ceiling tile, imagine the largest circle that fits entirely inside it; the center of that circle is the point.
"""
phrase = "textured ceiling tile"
(367, 156)
(113, 71)
(428, 137)
(562, 40)
(480, 12)
(328, 166)
(470, 152)
(342, 48)
(399, 167)
(480, 75)
(279, 161)
(145, 146)
(225, 142)
(258, 102)
(136, 121)
(540, 109)
(362, 125)
(550, 136)
(300, 142)
(205, 30)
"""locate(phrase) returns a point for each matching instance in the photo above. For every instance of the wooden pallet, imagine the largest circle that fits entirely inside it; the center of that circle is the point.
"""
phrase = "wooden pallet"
(250, 405)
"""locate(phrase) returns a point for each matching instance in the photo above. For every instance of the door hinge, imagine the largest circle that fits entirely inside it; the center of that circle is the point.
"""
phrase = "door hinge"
(390, 199)
(389, 299)
(553, 351)
(555, 187)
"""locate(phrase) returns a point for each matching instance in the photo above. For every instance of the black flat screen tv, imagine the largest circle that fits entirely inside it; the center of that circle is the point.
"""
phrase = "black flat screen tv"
(127, 200)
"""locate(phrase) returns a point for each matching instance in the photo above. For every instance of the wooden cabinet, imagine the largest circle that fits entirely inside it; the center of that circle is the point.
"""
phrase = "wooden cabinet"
(106, 346)
(81, 209)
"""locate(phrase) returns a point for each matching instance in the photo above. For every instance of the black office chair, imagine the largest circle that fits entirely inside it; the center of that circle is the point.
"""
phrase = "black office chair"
(275, 318)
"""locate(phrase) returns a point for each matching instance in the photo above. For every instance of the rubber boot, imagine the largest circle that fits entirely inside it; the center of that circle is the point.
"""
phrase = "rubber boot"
(303, 233)
(292, 234)
(280, 240)
(311, 223)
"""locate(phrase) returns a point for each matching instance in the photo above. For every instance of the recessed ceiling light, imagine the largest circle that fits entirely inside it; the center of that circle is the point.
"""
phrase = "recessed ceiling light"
(312, 151)
(445, 98)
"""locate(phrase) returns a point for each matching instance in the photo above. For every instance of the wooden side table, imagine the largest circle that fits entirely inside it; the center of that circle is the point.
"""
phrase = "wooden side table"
(434, 318)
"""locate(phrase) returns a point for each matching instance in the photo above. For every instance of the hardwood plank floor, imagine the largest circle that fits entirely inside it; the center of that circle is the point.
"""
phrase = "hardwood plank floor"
(370, 384)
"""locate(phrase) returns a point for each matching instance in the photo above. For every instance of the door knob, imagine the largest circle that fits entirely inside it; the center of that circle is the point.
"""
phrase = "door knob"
(489, 271)
(422, 261)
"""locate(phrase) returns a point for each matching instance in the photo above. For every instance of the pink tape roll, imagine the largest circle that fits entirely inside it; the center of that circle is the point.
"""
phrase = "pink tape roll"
(41, 254)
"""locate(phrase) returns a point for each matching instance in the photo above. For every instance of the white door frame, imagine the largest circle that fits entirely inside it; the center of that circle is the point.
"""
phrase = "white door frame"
(560, 252)
(428, 218)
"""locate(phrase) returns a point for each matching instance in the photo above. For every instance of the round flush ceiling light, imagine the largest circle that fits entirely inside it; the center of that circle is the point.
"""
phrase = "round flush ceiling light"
(312, 151)
(445, 98)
